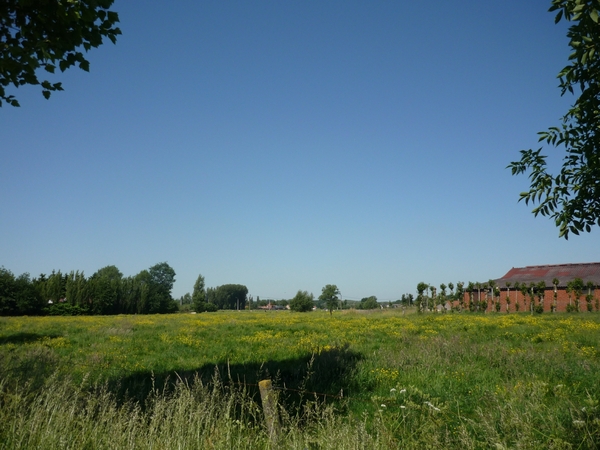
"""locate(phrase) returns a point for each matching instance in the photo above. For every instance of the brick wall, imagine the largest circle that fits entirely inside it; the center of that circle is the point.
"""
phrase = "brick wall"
(562, 300)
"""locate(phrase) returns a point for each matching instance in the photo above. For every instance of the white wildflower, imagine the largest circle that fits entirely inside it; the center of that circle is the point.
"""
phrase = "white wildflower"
(403, 391)
(383, 406)
(578, 423)
(392, 390)
(432, 406)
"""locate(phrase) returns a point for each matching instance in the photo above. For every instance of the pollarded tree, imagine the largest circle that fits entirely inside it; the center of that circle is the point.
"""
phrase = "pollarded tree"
(442, 299)
(421, 288)
(492, 290)
(541, 293)
(38, 35)
(302, 302)
(478, 287)
(524, 290)
(577, 287)
(532, 291)
(589, 297)
(572, 197)
(497, 297)
(460, 294)
(470, 289)
(329, 295)
(555, 296)
(431, 299)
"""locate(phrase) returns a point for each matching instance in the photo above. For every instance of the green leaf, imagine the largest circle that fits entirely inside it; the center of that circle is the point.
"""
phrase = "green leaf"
(46, 94)
(558, 16)
(594, 15)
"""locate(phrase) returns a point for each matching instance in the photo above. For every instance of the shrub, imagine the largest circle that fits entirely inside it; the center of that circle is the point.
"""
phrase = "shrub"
(65, 309)
(302, 302)
(571, 308)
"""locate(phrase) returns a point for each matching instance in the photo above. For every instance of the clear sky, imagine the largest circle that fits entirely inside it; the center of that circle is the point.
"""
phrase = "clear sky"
(286, 145)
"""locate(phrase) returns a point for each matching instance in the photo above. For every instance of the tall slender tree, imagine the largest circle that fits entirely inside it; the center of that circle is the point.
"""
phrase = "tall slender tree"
(199, 295)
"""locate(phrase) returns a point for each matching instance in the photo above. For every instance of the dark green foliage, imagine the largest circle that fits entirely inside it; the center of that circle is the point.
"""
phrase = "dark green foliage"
(161, 279)
(572, 198)
(48, 34)
(105, 292)
(368, 303)
(28, 301)
(227, 296)
(65, 309)
(199, 295)
(329, 296)
(18, 295)
(8, 304)
(407, 299)
(302, 302)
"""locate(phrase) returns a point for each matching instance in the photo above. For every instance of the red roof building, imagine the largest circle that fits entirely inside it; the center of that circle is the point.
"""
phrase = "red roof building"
(588, 272)
(533, 286)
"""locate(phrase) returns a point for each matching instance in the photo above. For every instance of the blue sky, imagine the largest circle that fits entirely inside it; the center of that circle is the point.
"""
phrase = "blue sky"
(286, 145)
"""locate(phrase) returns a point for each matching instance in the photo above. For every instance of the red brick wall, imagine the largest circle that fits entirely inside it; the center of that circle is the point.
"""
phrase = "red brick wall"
(561, 303)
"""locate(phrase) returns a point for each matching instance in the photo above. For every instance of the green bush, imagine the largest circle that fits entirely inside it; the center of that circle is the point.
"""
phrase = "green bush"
(302, 302)
(571, 308)
(65, 309)
(205, 307)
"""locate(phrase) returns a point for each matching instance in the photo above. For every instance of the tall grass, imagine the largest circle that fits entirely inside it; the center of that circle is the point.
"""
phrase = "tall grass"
(437, 381)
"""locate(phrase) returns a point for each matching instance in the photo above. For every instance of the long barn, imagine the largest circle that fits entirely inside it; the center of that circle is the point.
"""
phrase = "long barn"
(551, 285)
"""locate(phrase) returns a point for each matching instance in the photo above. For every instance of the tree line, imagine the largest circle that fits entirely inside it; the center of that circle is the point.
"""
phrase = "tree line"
(107, 291)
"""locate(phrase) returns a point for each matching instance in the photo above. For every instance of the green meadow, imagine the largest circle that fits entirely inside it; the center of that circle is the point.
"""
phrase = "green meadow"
(352, 380)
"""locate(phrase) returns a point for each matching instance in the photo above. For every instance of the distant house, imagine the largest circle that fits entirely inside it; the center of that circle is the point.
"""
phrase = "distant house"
(272, 307)
(589, 273)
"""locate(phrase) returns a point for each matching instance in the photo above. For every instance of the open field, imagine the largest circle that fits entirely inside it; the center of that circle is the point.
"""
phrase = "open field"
(189, 381)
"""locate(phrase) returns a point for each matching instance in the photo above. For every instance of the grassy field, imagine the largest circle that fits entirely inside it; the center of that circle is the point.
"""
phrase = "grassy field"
(352, 380)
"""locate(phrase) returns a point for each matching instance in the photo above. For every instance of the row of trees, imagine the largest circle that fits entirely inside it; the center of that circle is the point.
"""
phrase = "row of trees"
(483, 296)
(428, 297)
(330, 299)
(227, 296)
(106, 292)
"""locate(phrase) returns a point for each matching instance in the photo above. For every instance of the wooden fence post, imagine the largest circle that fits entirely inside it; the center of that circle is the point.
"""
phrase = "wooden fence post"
(269, 402)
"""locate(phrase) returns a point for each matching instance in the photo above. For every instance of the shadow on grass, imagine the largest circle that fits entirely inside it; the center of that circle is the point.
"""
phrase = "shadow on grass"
(328, 374)
(25, 338)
